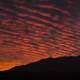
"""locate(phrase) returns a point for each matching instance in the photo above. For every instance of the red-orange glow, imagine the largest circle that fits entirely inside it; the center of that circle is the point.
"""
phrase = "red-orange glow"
(29, 34)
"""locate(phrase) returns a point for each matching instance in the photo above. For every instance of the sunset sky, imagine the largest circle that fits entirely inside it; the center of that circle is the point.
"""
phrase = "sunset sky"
(31, 30)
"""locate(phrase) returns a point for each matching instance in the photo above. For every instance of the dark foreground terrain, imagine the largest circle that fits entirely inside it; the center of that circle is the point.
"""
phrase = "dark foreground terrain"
(45, 69)
(65, 64)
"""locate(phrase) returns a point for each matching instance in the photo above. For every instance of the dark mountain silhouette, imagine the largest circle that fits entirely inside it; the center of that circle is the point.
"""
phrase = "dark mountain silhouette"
(68, 64)
(65, 64)
(44, 69)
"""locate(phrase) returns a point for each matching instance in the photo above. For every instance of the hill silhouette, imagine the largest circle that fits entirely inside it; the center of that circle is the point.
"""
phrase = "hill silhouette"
(65, 64)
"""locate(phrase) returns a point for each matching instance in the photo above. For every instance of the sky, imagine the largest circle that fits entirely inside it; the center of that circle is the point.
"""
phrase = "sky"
(38, 29)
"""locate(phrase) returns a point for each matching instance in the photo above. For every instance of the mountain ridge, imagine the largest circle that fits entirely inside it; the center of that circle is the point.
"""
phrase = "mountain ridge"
(65, 64)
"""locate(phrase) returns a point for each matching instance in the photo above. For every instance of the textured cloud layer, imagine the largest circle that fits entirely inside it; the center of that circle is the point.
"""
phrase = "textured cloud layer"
(34, 30)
